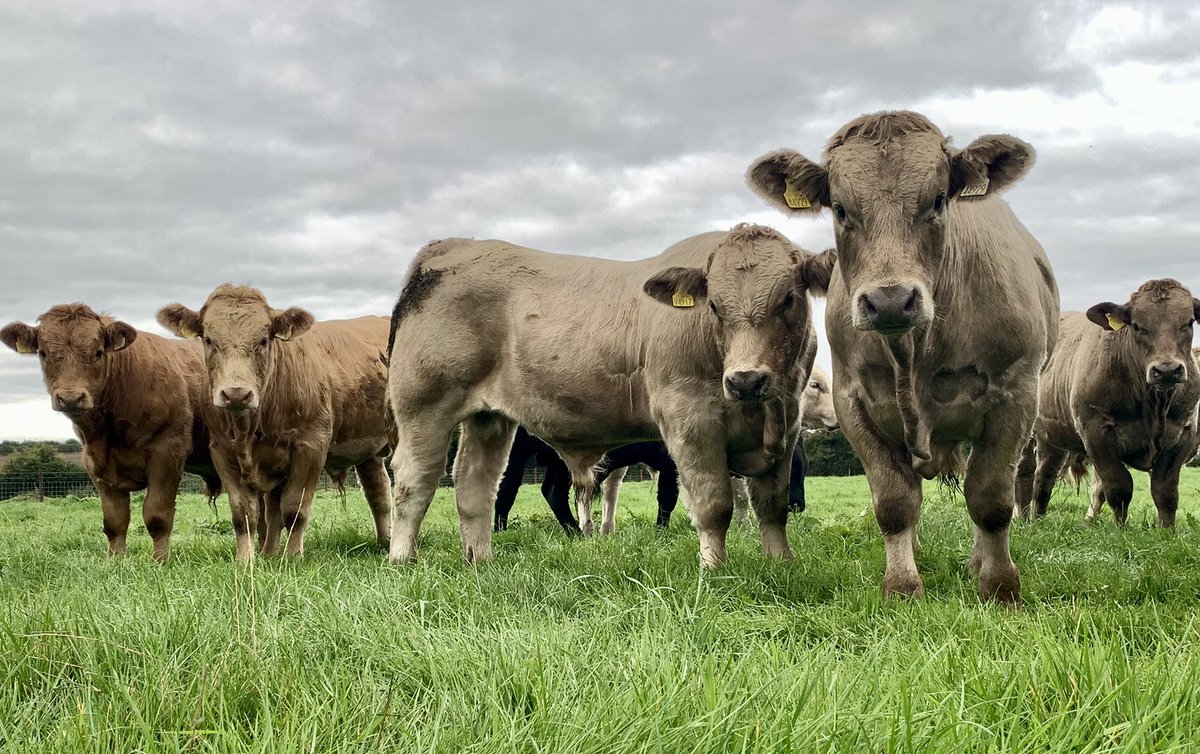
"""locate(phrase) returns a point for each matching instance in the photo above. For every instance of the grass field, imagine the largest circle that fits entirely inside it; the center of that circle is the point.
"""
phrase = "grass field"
(616, 644)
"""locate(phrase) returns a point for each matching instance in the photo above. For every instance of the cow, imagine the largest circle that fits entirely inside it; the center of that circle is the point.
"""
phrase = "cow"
(703, 347)
(285, 396)
(134, 401)
(818, 411)
(1122, 390)
(942, 310)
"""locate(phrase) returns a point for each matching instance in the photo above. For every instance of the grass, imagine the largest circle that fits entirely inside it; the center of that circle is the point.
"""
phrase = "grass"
(615, 644)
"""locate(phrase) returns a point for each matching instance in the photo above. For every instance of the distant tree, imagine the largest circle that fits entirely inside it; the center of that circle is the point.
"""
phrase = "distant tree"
(28, 465)
(829, 454)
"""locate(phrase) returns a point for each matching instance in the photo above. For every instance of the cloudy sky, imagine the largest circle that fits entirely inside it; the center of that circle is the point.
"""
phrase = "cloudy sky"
(151, 150)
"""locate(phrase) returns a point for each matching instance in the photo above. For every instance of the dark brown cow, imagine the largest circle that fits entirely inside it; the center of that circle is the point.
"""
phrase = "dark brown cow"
(285, 397)
(1121, 389)
(942, 311)
(134, 399)
(703, 346)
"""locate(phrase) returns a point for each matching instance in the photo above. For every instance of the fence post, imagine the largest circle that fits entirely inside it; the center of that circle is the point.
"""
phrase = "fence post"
(41, 485)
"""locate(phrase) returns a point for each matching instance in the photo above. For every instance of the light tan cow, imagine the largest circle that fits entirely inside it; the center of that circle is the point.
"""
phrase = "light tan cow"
(703, 346)
(134, 400)
(287, 396)
(817, 410)
(942, 310)
(1121, 389)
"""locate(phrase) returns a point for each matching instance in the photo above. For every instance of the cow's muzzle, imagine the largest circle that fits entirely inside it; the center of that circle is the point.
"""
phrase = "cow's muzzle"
(236, 400)
(891, 310)
(1165, 375)
(72, 402)
(751, 385)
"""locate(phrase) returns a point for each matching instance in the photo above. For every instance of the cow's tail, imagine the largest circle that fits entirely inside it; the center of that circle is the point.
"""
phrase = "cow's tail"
(1075, 471)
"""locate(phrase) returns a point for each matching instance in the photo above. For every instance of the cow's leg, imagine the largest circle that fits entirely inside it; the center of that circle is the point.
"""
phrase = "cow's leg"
(704, 475)
(417, 465)
(1097, 502)
(270, 517)
(667, 494)
(482, 451)
(796, 501)
(510, 484)
(295, 502)
(1164, 487)
(1116, 483)
(556, 488)
(158, 509)
(243, 510)
(610, 490)
(377, 489)
(741, 500)
(114, 508)
(1023, 489)
(990, 488)
(769, 496)
(895, 497)
(1049, 466)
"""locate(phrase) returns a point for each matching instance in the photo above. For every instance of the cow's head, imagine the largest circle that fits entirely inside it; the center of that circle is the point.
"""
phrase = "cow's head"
(818, 402)
(754, 289)
(240, 333)
(892, 182)
(1158, 323)
(73, 344)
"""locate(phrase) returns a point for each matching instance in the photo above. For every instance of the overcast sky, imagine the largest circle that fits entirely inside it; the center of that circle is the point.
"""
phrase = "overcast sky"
(150, 151)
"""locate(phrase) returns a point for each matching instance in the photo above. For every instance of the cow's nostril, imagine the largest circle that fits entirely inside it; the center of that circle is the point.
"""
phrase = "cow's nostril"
(911, 304)
(869, 305)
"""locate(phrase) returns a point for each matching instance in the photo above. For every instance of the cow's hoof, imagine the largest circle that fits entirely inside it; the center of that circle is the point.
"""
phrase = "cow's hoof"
(1002, 587)
(476, 553)
(608, 528)
(904, 585)
(587, 529)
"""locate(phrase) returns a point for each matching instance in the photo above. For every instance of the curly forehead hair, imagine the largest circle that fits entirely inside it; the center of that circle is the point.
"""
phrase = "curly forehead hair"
(1159, 290)
(69, 312)
(881, 128)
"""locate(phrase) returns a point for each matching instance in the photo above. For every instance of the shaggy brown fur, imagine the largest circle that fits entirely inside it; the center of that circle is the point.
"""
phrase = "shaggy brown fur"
(1102, 397)
(585, 354)
(134, 400)
(286, 396)
(942, 310)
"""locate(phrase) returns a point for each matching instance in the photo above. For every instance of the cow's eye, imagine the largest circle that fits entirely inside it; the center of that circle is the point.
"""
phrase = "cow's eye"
(1133, 326)
(815, 385)
(42, 355)
(939, 203)
(839, 212)
(99, 353)
(713, 306)
(788, 301)
(262, 343)
(208, 341)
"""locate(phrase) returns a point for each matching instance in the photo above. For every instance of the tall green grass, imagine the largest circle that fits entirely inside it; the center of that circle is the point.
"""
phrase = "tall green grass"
(615, 644)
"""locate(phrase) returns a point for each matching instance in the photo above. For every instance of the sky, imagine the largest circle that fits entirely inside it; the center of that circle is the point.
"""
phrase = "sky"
(150, 151)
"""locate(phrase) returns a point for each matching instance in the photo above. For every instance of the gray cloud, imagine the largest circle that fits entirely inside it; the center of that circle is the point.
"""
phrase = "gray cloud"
(153, 150)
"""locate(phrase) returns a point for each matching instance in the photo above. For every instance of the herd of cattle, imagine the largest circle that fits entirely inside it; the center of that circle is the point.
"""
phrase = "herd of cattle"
(942, 318)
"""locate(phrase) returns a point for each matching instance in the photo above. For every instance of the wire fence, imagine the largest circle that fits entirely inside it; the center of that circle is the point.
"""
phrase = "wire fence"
(39, 486)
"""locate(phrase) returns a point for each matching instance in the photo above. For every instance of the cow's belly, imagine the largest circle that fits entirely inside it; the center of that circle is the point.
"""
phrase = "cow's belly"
(354, 451)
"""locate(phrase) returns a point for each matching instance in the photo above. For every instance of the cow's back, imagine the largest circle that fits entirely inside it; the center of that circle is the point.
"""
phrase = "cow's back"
(351, 357)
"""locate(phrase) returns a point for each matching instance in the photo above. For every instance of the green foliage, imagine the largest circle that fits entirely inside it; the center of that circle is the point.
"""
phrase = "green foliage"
(611, 644)
(829, 454)
(30, 465)
(8, 447)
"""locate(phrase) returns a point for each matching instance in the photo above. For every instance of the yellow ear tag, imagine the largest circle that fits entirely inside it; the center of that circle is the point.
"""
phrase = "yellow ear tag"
(186, 331)
(1114, 323)
(682, 300)
(979, 189)
(793, 197)
(22, 348)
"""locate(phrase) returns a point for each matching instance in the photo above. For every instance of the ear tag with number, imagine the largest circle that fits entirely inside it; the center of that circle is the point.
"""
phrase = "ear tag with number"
(793, 197)
(1114, 323)
(682, 300)
(979, 189)
(186, 331)
(23, 348)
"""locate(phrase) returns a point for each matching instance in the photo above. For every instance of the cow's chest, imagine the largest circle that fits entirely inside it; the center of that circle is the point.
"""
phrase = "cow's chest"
(1143, 432)
(951, 402)
(262, 465)
(119, 466)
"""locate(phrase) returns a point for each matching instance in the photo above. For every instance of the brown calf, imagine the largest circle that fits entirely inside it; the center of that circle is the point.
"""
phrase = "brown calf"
(703, 346)
(134, 399)
(286, 396)
(1122, 389)
(942, 310)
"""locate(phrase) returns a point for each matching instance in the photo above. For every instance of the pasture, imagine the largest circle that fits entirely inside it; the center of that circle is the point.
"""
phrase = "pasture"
(615, 644)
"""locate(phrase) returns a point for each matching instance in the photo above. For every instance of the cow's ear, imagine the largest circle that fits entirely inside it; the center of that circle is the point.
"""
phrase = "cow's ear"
(789, 182)
(1108, 315)
(814, 270)
(291, 323)
(680, 287)
(20, 337)
(989, 165)
(118, 336)
(181, 321)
